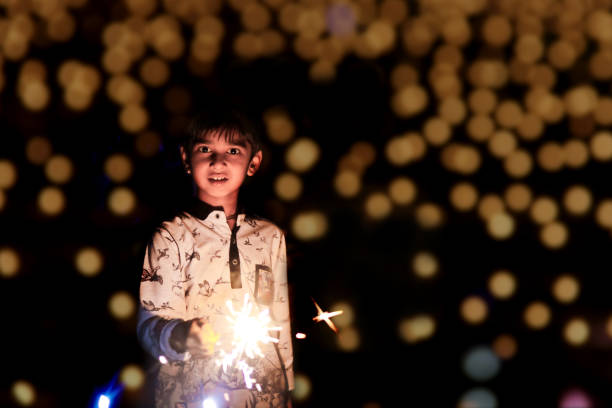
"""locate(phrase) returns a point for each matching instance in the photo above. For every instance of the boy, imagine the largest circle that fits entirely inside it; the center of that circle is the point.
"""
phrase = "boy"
(205, 256)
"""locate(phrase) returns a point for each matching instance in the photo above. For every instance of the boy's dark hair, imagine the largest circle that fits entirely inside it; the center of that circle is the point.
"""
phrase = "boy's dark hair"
(231, 123)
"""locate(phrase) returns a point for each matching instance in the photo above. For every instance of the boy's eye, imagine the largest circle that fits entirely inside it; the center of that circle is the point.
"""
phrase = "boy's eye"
(203, 149)
(234, 150)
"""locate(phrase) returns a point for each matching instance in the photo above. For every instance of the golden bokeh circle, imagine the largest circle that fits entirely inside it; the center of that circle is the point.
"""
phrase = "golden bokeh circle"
(10, 262)
(288, 186)
(425, 264)
(474, 310)
(8, 174)
(537, 315)
(463, 196)
(378, 205)
(122, 305)
(402, 190)
(566, 288)
(417, 328)
(502, 284)
(576, 331)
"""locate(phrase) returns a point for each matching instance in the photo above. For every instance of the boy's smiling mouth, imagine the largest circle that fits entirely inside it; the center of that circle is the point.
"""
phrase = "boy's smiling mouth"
(217, 179)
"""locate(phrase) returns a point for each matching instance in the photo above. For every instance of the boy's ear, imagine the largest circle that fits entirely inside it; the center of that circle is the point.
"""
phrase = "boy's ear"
(255, 163)
(183, 155)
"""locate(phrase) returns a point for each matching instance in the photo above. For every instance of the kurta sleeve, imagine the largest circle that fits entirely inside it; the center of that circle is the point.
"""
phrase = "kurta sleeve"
(162, 303)
(279, 309)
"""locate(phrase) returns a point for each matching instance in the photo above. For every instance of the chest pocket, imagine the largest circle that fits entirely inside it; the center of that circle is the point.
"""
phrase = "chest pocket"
(264, 285)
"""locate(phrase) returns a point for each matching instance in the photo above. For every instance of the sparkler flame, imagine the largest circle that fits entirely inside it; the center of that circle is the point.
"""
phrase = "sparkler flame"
(250, 330)
(325, 316)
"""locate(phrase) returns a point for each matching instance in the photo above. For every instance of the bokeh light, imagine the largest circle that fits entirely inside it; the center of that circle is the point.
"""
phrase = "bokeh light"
(23, 393)
(425, 264)
(288, 186)
(500, 225)
(347, 183)
(537, 315)
(348, 339)
(38, 150)
(518, 197)
(147, 143)
(464, 196)
(303, 387)
(577, 200)
(279, 126)
(302, 155)
(122, 305)
(566, 288)
(133, 118)
(544, 210)
(378, 206)
(481, 363)
(51, 201)
(409, 100)
(309, 225)
(118, 167)
(417, 328)
(429, 215)
(132, 377)
(575, 398)
(502, 284)
(554, 235)
(8, 174)
(603, 213)
(347, 317)
(121, 201)
(576, 331)
(505, 346)
(474, 310)
(89, 261)
(10, 262)
(59, 169)
(489, 205)
(478, 398)
(402, 190)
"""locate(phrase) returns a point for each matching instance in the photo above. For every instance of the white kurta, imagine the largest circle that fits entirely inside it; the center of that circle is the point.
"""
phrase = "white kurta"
(186, 275)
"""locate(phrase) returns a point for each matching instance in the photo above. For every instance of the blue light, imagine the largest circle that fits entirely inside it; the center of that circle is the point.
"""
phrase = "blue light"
(105, 396)
(104, 401)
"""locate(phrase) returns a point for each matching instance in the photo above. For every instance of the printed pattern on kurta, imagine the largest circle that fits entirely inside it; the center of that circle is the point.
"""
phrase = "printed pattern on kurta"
(186, 275)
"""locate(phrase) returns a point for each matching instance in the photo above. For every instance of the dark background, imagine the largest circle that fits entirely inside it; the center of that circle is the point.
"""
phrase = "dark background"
(58, 335)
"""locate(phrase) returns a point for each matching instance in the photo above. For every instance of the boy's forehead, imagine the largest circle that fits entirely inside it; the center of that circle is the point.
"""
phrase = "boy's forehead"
(230, 137)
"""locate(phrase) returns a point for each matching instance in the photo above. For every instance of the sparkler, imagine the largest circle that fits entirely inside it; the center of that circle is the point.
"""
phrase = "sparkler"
(325, 316)
(250, 329)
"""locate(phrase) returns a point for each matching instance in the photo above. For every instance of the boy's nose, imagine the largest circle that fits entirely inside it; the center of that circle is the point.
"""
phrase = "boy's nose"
(216, 159)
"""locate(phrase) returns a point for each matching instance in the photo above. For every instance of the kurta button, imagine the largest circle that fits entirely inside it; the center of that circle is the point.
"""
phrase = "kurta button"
(234, 261)
(233, 241)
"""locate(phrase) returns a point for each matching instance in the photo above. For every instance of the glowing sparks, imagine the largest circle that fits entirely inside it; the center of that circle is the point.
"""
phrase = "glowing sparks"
(250, 330)
(300, 336)
(325, 316)
(209, 403)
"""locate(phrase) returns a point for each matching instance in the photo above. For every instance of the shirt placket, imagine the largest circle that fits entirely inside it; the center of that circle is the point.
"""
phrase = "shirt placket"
(234, 260)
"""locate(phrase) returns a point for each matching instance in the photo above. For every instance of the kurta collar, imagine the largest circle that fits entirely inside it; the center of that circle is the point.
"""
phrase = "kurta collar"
(201, 209)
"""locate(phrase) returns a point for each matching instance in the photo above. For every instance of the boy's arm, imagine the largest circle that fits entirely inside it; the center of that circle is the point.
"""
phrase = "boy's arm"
(162, 303)
(279, 310)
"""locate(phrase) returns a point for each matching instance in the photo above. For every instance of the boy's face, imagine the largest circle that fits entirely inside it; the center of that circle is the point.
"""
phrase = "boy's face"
(219, 167)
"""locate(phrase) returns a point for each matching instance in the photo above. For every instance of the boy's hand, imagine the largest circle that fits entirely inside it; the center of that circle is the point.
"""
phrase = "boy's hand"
(201, 339)
(195, 336)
